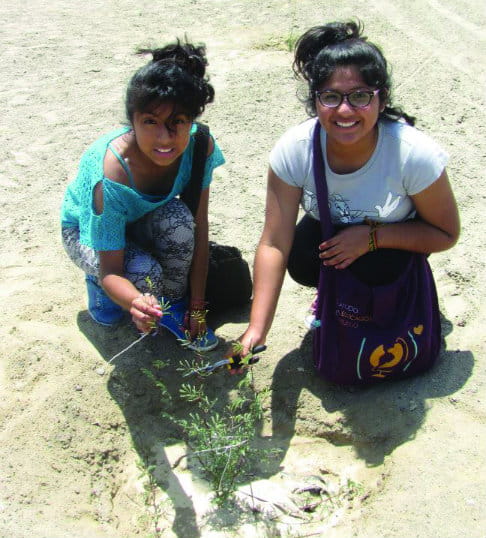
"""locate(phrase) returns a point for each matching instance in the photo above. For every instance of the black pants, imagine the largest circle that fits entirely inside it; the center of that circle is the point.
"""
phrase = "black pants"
(374, 268)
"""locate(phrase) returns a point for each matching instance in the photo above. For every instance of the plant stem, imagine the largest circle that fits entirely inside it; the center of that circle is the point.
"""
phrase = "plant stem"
(128, 347)
(217, 449)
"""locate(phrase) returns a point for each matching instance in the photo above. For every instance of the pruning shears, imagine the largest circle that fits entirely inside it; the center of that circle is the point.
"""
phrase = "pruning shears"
(235, 362)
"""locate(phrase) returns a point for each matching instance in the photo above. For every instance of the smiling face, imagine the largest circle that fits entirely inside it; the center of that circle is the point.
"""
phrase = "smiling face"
(162, 134)
(349, 127)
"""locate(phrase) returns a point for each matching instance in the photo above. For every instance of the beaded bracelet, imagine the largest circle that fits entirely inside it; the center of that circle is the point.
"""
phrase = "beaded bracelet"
(372, 246)
(197, 304)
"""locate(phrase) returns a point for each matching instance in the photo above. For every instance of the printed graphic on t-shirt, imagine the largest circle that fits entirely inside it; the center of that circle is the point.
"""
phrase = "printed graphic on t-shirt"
(389, 206)
(341, 209)
(343, 213)
(309, 203)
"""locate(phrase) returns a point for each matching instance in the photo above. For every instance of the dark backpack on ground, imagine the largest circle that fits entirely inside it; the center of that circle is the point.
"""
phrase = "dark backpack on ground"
(229, 281)
(368, 332)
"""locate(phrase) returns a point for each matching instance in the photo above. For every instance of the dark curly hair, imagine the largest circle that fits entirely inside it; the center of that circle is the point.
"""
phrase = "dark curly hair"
(176, 74)
(322, 49)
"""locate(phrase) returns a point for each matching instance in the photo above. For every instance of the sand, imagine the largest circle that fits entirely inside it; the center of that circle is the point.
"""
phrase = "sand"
(405, 459)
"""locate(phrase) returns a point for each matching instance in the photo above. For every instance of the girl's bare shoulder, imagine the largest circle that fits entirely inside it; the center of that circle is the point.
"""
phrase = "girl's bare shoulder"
(119, 148)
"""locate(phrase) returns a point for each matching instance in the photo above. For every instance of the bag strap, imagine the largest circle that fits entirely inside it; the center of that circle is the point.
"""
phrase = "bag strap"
(321, 183)
(326, 289)
(192, 193)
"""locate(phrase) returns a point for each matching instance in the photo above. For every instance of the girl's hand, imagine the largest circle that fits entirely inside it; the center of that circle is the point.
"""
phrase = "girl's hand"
(345, 247)
(248, 340)
(145, 311)
(195, 322)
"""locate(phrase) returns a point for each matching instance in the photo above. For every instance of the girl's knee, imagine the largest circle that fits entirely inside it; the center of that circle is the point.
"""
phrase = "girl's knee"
(143, 271)
(173, 221)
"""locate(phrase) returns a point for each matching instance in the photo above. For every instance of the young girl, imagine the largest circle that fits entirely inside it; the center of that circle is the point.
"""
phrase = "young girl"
(123, 222)
(379, 169)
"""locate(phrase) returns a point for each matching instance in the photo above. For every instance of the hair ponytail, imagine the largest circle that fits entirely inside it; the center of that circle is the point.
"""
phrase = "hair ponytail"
(317, 38)
(177, 74)
(190, 58)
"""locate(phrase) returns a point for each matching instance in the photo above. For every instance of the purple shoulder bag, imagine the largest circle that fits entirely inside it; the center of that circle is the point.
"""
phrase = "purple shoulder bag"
(372, 333)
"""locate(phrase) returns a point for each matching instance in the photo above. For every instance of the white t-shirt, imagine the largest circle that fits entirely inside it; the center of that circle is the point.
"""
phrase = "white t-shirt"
(405, 162)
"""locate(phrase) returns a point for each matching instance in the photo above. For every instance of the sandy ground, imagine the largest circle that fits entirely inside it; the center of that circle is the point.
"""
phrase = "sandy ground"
(74, 428)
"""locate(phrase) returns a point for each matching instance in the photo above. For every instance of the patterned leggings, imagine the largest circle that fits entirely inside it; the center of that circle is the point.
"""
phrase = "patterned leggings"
(158, 254)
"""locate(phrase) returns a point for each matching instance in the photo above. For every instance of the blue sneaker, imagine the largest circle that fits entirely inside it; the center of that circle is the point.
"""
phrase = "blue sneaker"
(100, 307)
(173, 321)
(204, 342)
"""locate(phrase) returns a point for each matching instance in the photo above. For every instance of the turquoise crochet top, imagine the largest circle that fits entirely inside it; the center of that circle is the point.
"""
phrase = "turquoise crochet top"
(121, 204)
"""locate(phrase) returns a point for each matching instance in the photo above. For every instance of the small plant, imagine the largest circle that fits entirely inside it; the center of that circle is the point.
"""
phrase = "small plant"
(150, 496)
(161, 386)
(283, 42)
(220, 439)
(279, 42)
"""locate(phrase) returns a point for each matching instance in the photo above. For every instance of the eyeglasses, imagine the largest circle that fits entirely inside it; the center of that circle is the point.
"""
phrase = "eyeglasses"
(356, 99)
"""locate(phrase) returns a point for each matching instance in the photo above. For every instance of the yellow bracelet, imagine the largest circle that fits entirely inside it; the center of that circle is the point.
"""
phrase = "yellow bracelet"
(372, 246)
(372, 241)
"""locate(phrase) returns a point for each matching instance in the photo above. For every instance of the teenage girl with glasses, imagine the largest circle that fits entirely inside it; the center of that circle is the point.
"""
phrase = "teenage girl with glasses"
(123, 222)
(380, 171)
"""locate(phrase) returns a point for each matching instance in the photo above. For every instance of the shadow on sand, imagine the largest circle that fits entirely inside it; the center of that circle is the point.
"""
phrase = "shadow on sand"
(141, 403)
(374, 420)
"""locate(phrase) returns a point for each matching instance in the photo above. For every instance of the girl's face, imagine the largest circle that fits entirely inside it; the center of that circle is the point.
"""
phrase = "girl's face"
(345, 125)
(161, 134)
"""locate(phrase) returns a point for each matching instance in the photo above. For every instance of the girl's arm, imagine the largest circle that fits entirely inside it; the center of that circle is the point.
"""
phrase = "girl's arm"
(436, 228)
(271, 257)
(199, 267)
(196, 316)
(143, 308)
